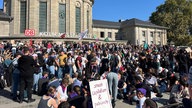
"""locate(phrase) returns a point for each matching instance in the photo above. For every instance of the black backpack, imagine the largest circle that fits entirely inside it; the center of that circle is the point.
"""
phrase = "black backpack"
(11, 67)
(50, 61)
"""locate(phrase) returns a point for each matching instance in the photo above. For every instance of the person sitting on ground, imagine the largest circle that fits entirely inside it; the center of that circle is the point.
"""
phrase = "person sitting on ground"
(53, 81)
(49, 100)
(42, 84)
(65, 105)
(149, 103)
(141, 93)
(75, 98)
(62, 89)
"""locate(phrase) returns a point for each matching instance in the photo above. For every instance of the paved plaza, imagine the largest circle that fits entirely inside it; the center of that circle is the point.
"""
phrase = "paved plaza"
(6, 102)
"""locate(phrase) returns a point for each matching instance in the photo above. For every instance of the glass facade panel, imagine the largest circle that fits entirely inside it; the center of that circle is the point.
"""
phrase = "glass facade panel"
(43, 17)
(78, 20)
(23, 10)
(62, 18)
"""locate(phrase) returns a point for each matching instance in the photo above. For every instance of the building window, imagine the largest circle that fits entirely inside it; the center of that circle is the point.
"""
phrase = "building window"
(151, 34)
(151, 42)
(78, 19)
(62, 18)
(109, 34)
(117, 36)
(159, 34)
(23, 16)
(43, 17)
(143, 33)
(102, 34)
(87, 19)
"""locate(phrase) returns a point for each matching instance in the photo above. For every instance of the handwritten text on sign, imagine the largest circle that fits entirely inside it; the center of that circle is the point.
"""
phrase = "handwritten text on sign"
(100, 94)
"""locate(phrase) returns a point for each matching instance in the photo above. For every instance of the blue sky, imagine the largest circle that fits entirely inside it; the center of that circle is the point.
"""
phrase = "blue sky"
(1, 4)
(113, 10)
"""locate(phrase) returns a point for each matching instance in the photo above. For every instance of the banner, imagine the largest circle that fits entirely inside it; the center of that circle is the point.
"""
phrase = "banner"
(106, 39)
(83, 34)
(100, 94)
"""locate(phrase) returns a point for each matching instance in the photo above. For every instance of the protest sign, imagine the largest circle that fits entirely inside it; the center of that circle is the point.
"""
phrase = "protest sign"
(100, 94)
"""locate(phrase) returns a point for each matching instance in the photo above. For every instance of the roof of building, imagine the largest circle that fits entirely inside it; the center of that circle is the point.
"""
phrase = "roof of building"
(137, 22)
(5, 16)
(106, 24)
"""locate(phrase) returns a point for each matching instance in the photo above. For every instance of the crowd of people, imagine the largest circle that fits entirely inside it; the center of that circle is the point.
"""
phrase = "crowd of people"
(61, 73)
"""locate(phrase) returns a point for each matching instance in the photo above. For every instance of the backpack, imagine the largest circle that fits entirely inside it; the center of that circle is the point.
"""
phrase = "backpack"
(80, 60)
(50, 61)
(11, 67)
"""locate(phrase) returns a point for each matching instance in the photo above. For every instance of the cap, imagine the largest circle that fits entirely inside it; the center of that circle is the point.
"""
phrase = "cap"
(142, 90)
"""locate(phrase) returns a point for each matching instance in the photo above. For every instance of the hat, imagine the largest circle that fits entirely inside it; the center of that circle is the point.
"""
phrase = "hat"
(142, 90)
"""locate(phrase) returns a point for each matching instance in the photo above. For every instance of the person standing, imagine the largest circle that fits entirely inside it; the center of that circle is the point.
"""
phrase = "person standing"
(26, 66)
(62, 65)
(112, 79)
(15, 76)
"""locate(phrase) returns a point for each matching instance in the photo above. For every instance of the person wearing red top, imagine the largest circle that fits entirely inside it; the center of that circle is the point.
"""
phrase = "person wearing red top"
(49, 46)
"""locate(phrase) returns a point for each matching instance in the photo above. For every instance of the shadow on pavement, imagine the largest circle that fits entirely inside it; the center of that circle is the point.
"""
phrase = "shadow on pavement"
(5, 93)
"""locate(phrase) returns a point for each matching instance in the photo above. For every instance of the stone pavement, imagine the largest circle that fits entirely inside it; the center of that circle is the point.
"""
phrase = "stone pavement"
(6, 102)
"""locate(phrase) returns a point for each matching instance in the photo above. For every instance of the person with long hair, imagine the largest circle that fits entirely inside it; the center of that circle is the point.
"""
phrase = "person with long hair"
(49, 100)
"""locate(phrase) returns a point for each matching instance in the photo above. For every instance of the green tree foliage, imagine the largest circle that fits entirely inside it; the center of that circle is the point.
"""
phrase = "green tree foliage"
(177, 16)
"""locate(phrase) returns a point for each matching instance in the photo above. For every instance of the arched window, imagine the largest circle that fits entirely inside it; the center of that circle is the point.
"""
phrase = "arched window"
(88, 16)
(23, 10)
(42, 16)
(78, 17)
(62, 18)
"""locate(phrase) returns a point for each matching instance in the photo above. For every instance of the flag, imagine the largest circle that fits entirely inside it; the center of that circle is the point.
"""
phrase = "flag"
(94, 36)
(96, 39)
(106, 39)
(63, 35)
(145, 46)
(83, 34)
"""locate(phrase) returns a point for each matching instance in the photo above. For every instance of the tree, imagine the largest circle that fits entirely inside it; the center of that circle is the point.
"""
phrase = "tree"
(176, 15)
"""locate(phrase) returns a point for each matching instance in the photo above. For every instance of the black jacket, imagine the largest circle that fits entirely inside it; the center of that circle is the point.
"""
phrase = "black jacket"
(26, 65)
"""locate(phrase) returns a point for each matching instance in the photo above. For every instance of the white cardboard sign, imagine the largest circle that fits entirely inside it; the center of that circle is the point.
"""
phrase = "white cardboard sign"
(100, 94)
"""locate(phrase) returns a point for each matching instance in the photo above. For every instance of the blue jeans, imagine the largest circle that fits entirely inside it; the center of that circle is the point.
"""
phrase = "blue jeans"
(16, 80)
(112, 79)
(61, 72)
(70, 70)
(35, 80)
(52, 69)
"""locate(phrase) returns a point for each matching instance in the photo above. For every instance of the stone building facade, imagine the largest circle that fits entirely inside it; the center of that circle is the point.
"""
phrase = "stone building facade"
(138, 32)
(52, 18)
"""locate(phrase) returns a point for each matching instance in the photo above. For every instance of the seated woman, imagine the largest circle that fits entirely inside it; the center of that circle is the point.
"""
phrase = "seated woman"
(62, 89)
(49, 100)
(75, 98)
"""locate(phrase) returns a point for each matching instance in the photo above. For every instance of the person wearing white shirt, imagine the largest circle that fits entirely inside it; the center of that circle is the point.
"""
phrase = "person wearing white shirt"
(70, 62)
(62, 89)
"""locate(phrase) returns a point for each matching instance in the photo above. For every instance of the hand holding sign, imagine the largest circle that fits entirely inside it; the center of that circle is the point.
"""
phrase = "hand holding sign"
(100, 94)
